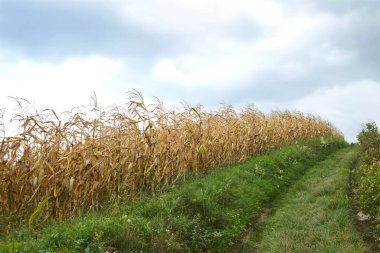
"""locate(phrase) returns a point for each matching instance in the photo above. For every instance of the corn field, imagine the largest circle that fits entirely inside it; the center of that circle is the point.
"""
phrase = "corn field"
(81, 162)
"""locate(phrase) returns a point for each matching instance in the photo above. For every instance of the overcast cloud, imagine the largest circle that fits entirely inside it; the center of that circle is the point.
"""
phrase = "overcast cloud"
(317, 56)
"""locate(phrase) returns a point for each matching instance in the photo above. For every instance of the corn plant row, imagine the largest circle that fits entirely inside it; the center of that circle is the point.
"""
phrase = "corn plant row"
(65, 166)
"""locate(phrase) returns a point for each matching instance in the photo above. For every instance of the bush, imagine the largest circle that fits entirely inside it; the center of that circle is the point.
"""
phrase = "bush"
(369, 139)
(367, 175)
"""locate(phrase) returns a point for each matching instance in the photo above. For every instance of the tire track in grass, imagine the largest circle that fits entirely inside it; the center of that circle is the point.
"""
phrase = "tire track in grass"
(314, 215)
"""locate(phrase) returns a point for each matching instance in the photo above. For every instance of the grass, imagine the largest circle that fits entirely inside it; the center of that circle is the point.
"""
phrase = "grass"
(203, 215)
(315, 214)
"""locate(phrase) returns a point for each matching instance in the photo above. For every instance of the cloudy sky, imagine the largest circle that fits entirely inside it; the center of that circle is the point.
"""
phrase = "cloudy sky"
(317, 56)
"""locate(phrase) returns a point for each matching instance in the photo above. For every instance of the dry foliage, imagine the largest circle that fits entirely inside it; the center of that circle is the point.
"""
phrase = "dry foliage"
(124, 150)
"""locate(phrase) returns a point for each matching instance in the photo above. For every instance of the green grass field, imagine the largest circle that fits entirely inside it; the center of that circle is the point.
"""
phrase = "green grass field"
(315, 214)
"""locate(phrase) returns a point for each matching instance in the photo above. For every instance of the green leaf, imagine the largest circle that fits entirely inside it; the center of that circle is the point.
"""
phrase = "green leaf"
(49, 166)
(202, 150)
(37, 211)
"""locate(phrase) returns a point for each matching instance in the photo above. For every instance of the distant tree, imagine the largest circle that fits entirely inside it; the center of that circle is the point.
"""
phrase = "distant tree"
(369, 139)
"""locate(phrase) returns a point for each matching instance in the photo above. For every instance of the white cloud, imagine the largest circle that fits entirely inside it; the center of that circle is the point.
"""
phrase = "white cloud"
(294, 50)
(62, 85)
(346, 106)
(181, 16)
(222, 72)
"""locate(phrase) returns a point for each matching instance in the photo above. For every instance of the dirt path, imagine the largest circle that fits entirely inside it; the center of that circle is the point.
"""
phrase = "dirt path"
(313, 216)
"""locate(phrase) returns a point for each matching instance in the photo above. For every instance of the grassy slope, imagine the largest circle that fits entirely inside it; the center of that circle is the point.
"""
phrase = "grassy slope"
(314, 216)
(208, 214)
